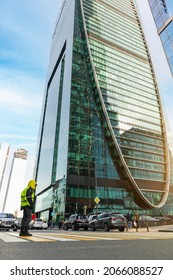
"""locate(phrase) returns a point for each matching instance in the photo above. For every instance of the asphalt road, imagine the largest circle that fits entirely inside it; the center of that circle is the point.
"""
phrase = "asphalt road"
(90, 250)
(133, 246)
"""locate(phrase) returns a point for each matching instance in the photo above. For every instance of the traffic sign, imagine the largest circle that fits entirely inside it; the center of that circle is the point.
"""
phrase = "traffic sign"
(97, 199)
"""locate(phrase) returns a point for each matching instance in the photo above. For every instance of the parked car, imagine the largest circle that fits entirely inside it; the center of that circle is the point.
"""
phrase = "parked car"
(91, 218)
(8, 221)
(45, 225)
(75, 222)
(36, 224)
(109, 220)
(148, 218)
(17, 225)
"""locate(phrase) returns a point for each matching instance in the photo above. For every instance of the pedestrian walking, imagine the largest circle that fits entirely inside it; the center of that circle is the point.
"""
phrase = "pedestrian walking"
(136, 220)
(27, 205)
(60, 224)
(52, 224)
(129, 220)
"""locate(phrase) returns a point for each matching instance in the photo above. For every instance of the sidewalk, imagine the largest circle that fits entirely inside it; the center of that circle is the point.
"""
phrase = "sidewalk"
(166, 228)
(163, 228)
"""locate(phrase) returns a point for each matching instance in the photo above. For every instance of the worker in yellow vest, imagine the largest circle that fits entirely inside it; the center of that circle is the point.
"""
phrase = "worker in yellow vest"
(27, 205)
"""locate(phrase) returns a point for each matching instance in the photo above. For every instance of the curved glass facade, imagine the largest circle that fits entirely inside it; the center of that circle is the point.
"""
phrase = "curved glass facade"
(108, 134)
(128, 96)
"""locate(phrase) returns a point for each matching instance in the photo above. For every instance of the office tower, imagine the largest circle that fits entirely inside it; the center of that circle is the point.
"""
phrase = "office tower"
(15, 183)
(4, 153)
(103, 132)
(164, 25)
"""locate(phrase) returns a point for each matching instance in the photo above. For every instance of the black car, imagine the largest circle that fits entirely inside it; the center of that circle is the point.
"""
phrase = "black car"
(75, 222)
(109, 220)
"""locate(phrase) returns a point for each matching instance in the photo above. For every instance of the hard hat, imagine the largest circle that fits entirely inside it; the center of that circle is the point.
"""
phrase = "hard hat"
(32, 184)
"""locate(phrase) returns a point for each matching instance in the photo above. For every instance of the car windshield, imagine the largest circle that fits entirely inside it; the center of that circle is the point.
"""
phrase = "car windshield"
(39, 220)
(117, 215)
(92, 217)
(6, 215)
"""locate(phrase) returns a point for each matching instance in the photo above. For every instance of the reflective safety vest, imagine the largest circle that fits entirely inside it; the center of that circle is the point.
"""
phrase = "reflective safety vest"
(24, 200)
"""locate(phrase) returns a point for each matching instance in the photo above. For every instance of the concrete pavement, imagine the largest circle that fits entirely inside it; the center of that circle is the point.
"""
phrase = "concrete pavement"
(163, 228)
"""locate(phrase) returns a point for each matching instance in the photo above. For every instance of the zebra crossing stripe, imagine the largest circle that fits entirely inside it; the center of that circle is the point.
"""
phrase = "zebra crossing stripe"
(73, 237)
(11, 238)
(89, 237)
(36, 238)
(31, 238)
(42, 237)
(55, 238)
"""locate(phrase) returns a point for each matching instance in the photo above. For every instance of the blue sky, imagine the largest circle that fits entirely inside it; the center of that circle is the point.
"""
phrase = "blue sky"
(25, 38)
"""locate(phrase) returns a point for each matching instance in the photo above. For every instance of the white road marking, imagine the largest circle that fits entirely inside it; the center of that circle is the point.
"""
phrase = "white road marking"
(54, 237)
(62, 236)
(8, 237)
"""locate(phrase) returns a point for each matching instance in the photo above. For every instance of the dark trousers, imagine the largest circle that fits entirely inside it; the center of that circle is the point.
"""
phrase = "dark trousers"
(27, 213)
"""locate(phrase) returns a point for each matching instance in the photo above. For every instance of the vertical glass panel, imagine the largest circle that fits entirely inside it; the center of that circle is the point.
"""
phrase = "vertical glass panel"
(55, 156)
(47, 145)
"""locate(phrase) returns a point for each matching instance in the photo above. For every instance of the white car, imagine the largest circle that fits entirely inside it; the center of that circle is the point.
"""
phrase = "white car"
(45, 225)
(36, 224)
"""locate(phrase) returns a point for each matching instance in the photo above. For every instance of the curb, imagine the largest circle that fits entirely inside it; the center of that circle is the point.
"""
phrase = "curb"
(165, 230)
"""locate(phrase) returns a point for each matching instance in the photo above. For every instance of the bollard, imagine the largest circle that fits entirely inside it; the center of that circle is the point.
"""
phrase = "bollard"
(147, 227)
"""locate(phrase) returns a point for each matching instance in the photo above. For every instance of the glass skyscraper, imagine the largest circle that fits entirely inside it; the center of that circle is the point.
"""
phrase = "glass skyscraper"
(103, 131)
(164, 25)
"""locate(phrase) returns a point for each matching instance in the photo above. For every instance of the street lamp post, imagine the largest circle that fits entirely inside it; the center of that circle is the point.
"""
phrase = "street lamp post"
(96, 199)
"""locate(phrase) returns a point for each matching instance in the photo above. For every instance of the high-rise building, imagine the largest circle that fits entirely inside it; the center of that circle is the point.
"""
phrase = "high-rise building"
(11, 201)
(4, 153)
(103, 131)
(164, 25)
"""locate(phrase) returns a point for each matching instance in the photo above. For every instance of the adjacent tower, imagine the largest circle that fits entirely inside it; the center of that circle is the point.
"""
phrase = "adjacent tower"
(103, 131)
(4, 153)
(15, 183)
(164, 25)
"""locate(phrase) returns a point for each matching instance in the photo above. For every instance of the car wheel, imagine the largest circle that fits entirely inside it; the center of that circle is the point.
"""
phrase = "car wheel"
(74, 227)
(65, 227)
(122, 229)
(93, 227)
(86, 228)
(106, 227)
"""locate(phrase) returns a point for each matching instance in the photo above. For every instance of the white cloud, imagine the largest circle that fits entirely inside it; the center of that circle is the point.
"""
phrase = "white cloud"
(20, 92)
(15, 100)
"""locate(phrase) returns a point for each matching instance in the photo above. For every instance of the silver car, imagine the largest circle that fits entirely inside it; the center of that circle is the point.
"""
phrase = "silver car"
(91, 218)
(8, 221)
(108, 221)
